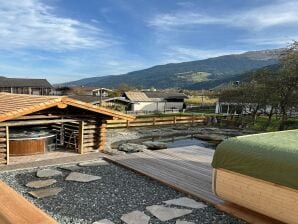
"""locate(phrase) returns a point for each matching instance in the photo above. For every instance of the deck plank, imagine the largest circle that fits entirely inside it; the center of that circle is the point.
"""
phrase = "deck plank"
(176, 169)
(188, 170)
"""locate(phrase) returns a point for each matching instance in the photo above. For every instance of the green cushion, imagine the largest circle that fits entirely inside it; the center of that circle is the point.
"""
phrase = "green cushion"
(270, 156)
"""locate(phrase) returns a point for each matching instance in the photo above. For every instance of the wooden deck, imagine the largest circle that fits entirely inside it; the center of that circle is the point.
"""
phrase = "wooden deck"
(181, 168)
(188, 170)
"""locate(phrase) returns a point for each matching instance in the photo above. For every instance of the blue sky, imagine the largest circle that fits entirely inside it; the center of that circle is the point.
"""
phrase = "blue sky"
(64, 40)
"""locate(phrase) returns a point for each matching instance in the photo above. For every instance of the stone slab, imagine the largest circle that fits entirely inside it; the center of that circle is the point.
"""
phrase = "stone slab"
(48, 192)
(135, 217)
(131, 147)
(186, 202)
(155, 145)
(166, 213)
(41, 183)
(103, 221)
(81, 177)
(94, 163)
(183, 222)
(48, 173)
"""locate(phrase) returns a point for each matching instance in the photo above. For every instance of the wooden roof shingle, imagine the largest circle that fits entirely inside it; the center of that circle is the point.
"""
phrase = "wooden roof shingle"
(137, 96)
(16, 105)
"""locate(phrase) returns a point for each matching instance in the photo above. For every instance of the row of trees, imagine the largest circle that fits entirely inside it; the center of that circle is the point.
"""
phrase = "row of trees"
(273, 90)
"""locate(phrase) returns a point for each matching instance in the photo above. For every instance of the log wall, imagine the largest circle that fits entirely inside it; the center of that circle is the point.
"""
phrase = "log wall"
(91, 135)
(4, 145)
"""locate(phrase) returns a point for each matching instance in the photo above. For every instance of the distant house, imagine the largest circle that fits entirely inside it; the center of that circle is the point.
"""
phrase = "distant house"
(104, 92)
(116, 103)
(155, 101)
(25, 86)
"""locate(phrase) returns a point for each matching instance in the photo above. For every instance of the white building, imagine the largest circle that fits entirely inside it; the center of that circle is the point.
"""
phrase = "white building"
(155, 101)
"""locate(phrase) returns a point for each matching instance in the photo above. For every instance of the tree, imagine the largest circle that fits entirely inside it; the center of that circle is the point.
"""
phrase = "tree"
(288, 81)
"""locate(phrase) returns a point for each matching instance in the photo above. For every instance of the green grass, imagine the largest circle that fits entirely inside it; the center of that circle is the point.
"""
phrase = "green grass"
(262, 124)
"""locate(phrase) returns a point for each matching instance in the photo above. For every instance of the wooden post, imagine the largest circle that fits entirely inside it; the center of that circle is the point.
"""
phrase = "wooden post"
(7, 145)
(192, 119)
(127, 124)
(102, 135)
(175, 120)
(154, 121)
(81, 137)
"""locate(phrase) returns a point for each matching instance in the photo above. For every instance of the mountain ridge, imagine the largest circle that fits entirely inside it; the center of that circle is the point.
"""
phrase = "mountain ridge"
(187, 74)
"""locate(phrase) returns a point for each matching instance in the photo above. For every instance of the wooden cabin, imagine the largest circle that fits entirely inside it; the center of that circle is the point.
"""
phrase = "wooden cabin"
(38, 124)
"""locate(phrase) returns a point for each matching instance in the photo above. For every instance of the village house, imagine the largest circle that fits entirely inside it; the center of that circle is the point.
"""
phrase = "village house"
(32, 125)
(25, 86)
(115, 103)
(155, 101)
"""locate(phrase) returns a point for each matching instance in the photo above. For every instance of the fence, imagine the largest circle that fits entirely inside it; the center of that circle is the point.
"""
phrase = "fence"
(154, 121)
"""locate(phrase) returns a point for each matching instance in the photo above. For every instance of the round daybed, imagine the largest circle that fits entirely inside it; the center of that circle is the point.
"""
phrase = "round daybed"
(260, 172)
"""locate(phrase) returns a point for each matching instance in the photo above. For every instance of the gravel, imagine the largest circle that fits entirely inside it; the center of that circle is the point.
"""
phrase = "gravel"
(120, 191)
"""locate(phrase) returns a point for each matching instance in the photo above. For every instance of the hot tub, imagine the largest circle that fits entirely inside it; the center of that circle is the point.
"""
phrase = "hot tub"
(31, 142)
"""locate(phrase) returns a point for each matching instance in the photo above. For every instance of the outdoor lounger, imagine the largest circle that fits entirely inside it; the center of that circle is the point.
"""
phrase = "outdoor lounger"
(259, 172)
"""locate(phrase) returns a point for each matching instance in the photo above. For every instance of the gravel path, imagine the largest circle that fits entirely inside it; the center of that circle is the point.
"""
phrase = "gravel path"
(120, 191)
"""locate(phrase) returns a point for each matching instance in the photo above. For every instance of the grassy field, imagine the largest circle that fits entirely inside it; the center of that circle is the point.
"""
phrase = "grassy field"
(199, 100)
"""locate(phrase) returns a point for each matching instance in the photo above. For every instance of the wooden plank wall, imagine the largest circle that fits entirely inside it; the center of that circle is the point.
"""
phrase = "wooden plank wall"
(152, 121)
(4, 145)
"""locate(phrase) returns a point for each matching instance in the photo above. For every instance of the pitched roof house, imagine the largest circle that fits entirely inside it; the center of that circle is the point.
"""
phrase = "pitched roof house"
(25, 86)
(155, 101)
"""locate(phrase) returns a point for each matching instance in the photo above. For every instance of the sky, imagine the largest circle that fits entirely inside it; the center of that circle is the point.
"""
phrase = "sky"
(64, 40)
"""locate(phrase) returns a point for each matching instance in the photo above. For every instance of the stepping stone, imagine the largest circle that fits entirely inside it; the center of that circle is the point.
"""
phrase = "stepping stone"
(165, 213)
(103, 221)
(41, 183)
(81, 177)
(48, 173)
(48, 192)
(70, 167)
(135, 217)
(183, 222)
(186, 202)
(94, 163)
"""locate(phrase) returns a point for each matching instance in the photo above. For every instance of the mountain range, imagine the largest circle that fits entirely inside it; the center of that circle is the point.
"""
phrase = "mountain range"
(200, 74)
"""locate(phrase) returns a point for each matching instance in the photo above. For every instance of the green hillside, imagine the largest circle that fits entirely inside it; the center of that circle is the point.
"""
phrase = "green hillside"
(200, 74)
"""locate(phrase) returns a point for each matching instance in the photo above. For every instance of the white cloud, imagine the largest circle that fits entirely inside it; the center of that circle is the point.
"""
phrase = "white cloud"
(32, 24)
(181, 54)
(273, 14)
(276, 41)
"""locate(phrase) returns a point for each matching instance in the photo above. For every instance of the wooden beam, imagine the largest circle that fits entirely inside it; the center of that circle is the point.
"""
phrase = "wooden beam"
(7, 145)
(14, 208)
(81, 137)
(102, 135)
(34, 117)
(38, 122)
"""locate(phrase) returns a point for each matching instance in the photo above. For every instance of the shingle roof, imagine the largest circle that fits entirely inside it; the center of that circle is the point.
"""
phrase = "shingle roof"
(18, 82)
(15, 105)
(137, 96)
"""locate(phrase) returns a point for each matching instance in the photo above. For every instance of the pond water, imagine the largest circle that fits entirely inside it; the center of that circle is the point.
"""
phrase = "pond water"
(186, 141)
